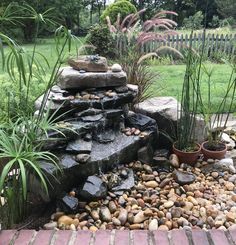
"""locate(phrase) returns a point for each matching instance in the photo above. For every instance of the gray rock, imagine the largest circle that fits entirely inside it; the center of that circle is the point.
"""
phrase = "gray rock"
(93, 118)
(116, 68)
(68, 204)
(72, 79)
(183, 178)
(127, 183)
(123, 216)
(89, 63)
(114, 180)
(225, 164)
(145, 154)
(105, 214)
(93, 189)
(50, 226)
(79, 146)
(165, 111)
(142, 122)
(122, 89)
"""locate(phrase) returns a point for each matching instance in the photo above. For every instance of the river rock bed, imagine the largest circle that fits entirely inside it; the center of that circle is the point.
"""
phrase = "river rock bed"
(198, 197)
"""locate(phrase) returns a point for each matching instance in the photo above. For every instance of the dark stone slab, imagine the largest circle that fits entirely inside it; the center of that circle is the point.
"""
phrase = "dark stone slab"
(68, 204)
(127, 183)
(142, 122)
(79, 146)
(93, 189)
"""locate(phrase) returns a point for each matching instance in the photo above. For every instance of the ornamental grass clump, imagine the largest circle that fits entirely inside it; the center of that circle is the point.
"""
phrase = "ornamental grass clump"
(130, 36)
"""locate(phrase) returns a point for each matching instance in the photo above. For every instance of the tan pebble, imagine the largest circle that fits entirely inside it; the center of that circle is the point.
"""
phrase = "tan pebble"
(83, 223)
(168, 204)
(128, 133)
(229, 186)
(57, 215)
(72, 193)
(141, 203)
(174, 160)
(135, 226)
(233, 198)
(139, 217)
(148, 212)
(151, 184)
(86, 97)
(168, 223)
(230, 216)
(214, 174)
(192, 200)
(137, 132)
(65, 221)
(163, 228)
(93, 228)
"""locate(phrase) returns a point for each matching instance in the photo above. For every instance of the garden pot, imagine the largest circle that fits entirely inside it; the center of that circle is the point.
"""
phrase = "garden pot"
(213, 154)
(187, 157)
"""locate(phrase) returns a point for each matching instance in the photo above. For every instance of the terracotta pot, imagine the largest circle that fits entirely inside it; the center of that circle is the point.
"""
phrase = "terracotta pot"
(187, 157)
(213, 154)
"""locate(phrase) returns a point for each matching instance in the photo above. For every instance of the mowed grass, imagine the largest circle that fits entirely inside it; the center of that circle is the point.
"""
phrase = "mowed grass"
(168, 82)
(170, 79)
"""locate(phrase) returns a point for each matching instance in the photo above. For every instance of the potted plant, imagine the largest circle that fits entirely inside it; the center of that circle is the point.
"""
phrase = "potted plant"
(185, 146)
(216, 118)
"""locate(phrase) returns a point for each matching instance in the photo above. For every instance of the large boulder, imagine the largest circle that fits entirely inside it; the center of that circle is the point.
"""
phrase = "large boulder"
(70, 78)
(165, 111)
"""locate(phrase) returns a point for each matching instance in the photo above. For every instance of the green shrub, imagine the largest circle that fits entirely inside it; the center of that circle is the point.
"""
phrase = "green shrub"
(194, 22)
(215, 21)
(100, 37)
(122, 7)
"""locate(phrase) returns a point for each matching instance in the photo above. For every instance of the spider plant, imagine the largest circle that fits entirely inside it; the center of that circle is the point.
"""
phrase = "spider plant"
(21, 134)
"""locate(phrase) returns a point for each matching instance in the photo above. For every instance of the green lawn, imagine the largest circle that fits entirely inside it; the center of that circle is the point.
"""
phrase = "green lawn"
(168, 83)
(170, 79)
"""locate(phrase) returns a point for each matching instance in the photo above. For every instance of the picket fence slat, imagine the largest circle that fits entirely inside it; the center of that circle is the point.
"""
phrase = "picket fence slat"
(224, 43)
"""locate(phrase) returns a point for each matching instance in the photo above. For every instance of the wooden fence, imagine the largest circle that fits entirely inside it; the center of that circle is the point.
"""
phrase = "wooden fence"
(214, 43)
(222, 44)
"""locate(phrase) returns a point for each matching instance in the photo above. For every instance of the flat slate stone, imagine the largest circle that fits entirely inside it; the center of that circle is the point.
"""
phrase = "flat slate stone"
(79, 146)
(73, 79)
(99, 64)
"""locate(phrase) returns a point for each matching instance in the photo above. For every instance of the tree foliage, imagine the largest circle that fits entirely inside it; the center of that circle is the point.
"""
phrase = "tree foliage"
(122, 7)
(227, 8)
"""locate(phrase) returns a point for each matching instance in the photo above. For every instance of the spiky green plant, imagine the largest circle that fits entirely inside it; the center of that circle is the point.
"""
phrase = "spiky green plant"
(22, 134)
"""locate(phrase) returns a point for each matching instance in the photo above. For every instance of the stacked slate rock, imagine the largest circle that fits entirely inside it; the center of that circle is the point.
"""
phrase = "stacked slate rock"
(91, 101)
